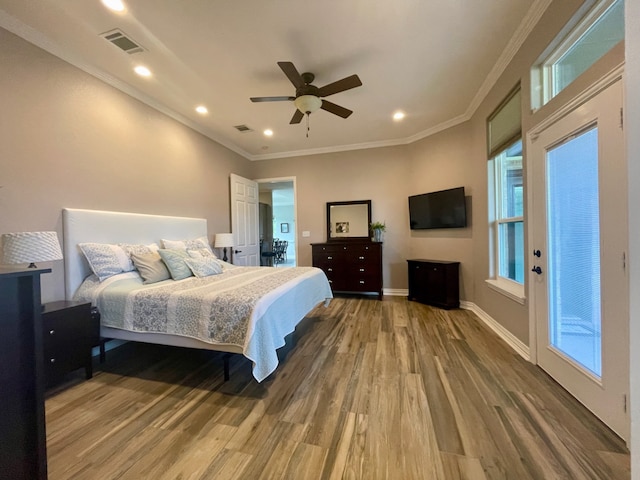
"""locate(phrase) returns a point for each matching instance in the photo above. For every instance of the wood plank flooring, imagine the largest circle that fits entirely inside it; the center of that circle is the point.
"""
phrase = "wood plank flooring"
(369, 389)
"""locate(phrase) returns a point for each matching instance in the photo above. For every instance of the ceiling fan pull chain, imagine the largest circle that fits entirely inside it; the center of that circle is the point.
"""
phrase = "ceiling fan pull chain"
(307, 124)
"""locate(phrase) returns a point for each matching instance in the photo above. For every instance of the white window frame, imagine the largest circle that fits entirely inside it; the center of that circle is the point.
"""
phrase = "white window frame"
(542, 77)
(506, 286)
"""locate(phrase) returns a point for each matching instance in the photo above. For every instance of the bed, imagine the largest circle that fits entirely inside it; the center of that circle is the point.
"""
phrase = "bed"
(243, 310)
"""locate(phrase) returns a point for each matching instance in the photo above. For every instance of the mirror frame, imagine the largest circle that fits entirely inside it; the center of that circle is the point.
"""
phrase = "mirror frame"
(348, 239)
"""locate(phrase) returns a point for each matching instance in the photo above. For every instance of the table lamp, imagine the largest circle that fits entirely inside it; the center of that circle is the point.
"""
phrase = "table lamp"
(224, 240)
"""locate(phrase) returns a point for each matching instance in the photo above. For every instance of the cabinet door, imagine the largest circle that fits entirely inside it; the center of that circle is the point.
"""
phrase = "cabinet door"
(436, 285)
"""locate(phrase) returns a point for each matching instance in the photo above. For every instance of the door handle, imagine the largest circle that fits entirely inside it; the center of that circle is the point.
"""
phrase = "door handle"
(536, 253)
(537, 270)
(237, 251)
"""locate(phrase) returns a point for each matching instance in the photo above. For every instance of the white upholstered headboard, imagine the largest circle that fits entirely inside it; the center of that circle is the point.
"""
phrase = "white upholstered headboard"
(117, 227)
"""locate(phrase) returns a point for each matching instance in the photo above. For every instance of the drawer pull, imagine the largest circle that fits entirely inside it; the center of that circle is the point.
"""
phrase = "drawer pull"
(362, 282)
(52, 332)
(330, 281)
(361, 258)
(362, 269)
(52, 360)
(329, 258)
(329, 269)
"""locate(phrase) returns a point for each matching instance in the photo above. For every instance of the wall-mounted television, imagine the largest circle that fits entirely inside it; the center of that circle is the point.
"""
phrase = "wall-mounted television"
(443, 209)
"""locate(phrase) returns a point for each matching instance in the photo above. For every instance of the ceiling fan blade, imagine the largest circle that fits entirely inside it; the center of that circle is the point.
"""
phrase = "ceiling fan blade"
(340, 86)
(292, 73)
(272, 99)
(297, 117)
(336, 109)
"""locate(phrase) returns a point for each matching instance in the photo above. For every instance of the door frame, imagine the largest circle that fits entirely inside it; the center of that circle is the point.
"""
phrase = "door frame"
(617, 74)
(295, 205)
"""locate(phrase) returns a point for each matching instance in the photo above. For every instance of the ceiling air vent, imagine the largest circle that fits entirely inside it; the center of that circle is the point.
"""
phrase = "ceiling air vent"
(242, 128)
(122, 41)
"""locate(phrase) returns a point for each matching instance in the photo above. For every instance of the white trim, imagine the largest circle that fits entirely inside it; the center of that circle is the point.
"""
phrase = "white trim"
(512, 290)
(587, 94)
(514, 342)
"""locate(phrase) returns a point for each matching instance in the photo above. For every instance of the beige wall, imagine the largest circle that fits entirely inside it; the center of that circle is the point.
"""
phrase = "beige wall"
(69, 140)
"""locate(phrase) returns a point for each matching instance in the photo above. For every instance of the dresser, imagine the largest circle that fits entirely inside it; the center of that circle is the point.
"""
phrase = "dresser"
(434, 282)
(23, 453)
(351, 267)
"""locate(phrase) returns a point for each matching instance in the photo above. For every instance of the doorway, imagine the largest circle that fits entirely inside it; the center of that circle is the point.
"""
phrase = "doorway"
(277, 220)
(579, 285)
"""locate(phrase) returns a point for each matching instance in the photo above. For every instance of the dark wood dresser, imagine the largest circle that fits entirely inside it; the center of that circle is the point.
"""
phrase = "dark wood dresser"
(351, 267)
(23, 452)
(434, 282)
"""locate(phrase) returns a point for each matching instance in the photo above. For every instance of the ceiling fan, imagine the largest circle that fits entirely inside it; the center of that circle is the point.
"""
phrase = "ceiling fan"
(308, 97)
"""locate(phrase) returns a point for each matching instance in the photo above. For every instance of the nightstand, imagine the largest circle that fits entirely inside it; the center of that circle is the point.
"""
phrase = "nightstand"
(69, 331)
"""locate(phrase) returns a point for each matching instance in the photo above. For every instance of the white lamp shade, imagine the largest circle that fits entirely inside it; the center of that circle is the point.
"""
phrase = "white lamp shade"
(224, 240)
(30, 247)
(307, 103)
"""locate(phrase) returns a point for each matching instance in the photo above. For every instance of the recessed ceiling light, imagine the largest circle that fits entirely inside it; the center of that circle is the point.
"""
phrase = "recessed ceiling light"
(202, 109)
(142, 71)
(398, 116)
(268, 132)
(115, 5)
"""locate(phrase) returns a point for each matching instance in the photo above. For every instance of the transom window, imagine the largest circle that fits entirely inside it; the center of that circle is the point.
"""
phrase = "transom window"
(597, 31)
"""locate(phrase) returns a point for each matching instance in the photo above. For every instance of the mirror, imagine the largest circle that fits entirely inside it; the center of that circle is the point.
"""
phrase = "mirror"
(348, 220)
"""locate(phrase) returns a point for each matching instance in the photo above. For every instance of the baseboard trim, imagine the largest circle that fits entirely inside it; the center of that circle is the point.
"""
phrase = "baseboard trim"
(395, 292)
(514, 342)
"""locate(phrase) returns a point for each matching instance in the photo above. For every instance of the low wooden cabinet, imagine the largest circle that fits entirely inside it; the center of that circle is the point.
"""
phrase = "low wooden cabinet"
(351, 267)
(69, 331)
(434, 282)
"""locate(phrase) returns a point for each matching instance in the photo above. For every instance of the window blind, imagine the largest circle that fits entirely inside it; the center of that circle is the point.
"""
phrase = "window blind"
(504, 125)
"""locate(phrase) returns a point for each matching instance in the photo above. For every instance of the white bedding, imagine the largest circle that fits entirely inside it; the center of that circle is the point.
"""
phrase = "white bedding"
(250, 309)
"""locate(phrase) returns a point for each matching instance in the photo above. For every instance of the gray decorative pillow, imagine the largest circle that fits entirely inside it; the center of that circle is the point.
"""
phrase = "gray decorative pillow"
(187, 244)
(200, 253)
(175, 262)
(151, 267)
(203, 267)
(139, 249)
(106, 260)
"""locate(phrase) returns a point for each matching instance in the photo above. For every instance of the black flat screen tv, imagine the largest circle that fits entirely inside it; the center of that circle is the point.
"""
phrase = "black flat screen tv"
(443, 209)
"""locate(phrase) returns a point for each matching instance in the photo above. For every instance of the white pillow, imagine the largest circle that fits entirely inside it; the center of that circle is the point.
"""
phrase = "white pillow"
(106, 259)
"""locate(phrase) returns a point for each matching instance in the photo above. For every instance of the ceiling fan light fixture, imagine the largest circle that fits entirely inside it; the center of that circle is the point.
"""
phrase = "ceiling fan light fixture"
(308, 103)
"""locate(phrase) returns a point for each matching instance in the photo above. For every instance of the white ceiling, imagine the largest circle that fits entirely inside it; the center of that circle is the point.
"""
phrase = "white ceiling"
(434, 60)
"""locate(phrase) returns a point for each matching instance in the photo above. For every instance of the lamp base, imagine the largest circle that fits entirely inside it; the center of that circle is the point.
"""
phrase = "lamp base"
(32, 265)
(224, 254)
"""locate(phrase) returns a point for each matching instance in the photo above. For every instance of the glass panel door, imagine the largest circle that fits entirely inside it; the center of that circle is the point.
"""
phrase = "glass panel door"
(573, 241)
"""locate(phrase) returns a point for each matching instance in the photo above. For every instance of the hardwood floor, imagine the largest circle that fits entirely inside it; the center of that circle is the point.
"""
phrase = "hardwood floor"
(370, 390)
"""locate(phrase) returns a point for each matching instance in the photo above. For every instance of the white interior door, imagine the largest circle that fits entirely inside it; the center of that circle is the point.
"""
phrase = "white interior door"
(579, 244)
(244, 221)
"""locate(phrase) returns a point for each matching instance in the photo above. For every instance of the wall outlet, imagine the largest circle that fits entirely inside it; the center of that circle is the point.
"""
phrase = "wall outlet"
(306, 233)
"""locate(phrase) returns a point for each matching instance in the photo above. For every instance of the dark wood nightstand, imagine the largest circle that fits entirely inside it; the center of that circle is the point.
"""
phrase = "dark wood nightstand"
(69, 331)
